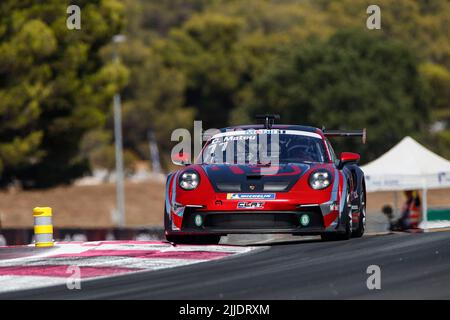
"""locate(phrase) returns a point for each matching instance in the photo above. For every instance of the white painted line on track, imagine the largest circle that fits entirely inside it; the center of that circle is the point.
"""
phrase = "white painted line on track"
(47, 267)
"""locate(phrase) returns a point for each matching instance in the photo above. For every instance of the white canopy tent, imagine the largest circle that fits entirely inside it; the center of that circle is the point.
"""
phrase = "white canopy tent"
(408, 166)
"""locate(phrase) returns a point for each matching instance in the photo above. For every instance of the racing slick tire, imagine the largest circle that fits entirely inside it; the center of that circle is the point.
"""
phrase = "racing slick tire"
(201, 239)
(179, 239)
(347, 220)
(358, 233)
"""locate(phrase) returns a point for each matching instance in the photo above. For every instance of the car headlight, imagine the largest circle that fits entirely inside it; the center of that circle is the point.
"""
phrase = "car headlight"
(320, 179)
(189, 180)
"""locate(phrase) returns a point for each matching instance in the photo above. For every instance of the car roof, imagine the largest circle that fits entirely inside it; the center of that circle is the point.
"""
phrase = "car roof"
(275, 126)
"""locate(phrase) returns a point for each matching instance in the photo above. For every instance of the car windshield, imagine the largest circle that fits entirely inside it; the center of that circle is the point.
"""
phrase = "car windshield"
(264, 147)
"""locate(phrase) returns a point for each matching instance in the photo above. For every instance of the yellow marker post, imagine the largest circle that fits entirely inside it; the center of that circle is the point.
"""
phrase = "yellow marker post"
(43, 227)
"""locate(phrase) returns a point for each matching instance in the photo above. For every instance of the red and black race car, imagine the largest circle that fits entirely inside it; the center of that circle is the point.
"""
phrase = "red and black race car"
(300, 188)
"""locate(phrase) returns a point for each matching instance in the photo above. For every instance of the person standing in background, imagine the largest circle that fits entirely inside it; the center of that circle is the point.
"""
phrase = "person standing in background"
(411, 211)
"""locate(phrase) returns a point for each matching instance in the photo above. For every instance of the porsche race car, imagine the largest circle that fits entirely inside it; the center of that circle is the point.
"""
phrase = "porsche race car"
(299, 187)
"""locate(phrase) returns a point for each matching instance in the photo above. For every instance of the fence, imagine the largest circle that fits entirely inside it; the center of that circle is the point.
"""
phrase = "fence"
(24, 236)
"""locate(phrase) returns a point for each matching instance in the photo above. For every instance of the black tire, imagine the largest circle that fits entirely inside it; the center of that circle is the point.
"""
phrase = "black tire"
(166, 220)
(201, 239)
(328, 237)
(206, 239)
(358, 233)
(347, 234)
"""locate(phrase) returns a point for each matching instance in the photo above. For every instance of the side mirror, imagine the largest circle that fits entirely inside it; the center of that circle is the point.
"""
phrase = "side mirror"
(347, 157)
(181, 159)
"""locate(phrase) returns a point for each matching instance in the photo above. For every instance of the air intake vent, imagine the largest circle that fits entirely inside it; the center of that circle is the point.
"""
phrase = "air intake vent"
(276, 186)
(229, 187)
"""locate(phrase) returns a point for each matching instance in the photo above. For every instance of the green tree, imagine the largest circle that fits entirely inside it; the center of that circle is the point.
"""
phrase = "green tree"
(153, 100)
(53, 86)
(154, 97)
(420, 24)
(205, 49)
(438, 78)
(352, 80)
(156, 16)
(215, 53)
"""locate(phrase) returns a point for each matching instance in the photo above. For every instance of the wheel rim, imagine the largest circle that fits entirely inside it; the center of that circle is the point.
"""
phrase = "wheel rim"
(349, 208)
(363, 211)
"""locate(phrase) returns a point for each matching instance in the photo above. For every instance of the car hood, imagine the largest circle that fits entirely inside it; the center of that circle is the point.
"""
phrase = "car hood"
(255, 178)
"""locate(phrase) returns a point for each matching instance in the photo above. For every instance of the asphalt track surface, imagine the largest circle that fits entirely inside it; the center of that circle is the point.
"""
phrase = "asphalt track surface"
(413, 266)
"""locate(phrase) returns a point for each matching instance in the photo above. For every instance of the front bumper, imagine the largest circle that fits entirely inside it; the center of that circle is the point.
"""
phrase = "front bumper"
(302, 221)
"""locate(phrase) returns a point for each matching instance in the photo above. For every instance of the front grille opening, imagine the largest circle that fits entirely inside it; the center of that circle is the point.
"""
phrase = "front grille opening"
(251, 220)
(275, 186)
(256, 220)
(254, 177)
(229, 187)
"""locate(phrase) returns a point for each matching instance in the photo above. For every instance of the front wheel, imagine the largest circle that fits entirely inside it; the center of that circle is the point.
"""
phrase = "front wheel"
(179, 239)
(346, 220)
(201, 239)
(339, 236)
(362, 217)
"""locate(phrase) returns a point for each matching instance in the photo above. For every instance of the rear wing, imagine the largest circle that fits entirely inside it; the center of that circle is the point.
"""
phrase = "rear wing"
(269, 119)
(346, 133)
